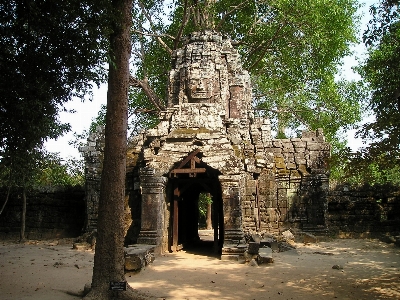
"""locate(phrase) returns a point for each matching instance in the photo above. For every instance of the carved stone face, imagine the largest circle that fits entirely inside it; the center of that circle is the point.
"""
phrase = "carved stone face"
(198, 85)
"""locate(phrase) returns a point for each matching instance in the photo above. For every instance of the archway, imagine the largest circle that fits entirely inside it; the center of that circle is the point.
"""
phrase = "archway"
(186, 182)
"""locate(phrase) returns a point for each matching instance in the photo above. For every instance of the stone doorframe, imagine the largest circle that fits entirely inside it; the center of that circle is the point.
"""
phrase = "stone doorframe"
(179, 187)
(154, 216)
(182, 177)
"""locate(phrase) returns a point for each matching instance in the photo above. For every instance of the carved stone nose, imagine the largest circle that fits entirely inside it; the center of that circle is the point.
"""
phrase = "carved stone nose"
(200, 86)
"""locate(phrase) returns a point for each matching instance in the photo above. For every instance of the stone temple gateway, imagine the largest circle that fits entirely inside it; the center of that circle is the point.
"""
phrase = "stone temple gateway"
(209, 141)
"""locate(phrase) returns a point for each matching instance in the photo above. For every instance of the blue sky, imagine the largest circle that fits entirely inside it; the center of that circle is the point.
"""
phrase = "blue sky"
(86, 111)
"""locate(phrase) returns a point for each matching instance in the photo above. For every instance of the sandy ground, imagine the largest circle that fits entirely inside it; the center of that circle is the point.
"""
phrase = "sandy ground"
(371, 270)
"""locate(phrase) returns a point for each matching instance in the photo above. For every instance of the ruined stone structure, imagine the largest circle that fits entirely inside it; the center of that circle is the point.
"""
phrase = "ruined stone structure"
(52, 213)
(208, 141)
(366, 211)
(93, 155)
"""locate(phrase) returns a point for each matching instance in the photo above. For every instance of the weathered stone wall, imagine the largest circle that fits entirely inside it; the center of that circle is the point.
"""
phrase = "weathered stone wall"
(365, 211)
(292, 184)
(56, 213)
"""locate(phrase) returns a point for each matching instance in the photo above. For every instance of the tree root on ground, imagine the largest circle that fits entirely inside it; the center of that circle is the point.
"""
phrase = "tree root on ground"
(106, 294)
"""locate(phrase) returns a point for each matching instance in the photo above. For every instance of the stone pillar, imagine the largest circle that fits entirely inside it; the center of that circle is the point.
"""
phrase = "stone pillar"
(93, 155)
(232, 208)
(153, 199)
(232, 248)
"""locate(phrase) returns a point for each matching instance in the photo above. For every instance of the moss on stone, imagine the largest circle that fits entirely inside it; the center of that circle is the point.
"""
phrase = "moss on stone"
(238, 152)
(280, 162)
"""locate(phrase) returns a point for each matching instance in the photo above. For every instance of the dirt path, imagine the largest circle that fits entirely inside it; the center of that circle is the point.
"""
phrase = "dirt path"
(371, 270)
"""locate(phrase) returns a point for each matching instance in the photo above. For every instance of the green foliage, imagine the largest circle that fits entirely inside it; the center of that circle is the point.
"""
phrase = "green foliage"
(100, 119)
(137, 120)
(361, 168)
(52, 51)
(380, 159)
(384, 14)
(54, 172)
(20, 168)
(204, 200)
(40, 169)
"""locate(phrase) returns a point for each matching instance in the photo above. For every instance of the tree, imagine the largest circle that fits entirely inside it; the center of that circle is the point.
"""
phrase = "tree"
(21, 171)
(378, 162)
(53, 51)
(381, 71)
(109, 255)
(54, 172)
(293, 50)
(205, 209)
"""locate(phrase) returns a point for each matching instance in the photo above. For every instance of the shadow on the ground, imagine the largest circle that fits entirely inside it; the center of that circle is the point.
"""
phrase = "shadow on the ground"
(203, 248)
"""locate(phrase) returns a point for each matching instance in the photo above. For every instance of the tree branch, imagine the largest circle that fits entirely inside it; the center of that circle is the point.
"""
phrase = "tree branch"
(265, 49)
(144, 85)
(153, 34)
(186, 14)
(148, 17)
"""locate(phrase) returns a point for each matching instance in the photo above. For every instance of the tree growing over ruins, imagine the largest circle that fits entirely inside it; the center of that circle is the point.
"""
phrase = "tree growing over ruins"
(292, 48)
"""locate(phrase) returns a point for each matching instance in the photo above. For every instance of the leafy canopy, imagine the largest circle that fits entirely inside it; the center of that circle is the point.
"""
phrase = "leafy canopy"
(52, 51)
(378, 162)
(381, 72)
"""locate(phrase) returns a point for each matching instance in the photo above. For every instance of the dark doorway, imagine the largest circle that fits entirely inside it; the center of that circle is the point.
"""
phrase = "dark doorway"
(187, 182)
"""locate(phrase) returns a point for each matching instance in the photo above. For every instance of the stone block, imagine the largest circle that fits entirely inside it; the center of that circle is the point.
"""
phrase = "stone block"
(277, 143)
(265, 256)
(280, 163)
(303, 170)
(253, 247)
(249, 257)
(134, 263)
(309, 238)
(138, 256)
(271, 243)
(288, 235)
(256, 238)
(81, 246)
(230, 257)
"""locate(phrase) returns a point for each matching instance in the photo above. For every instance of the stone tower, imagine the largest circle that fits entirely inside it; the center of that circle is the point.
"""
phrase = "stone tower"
(208, 141)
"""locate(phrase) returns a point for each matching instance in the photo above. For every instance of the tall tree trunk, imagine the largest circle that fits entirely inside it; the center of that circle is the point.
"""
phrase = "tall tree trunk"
(109, 256)
(23, 216)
